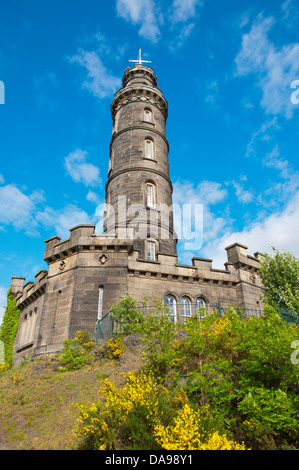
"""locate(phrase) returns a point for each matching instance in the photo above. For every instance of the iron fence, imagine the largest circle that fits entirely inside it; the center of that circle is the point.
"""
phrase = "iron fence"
(180, 313)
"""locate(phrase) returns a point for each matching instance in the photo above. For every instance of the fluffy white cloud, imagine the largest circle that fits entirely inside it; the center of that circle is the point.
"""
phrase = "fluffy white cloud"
(243, 195)
(151, 19)
(63, 219)
(79, 170)
(143, 13)
(274, 67)
(17, 209)
(100, 82)
(183, 10)
(206, 225)
(278, 229)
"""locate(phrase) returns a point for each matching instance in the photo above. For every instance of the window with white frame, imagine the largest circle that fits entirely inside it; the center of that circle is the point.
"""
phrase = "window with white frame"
(185, 308)
(149, 149)
(100, 303)
(150, 194)
(151, 251)
(147, 115)
(170, 302)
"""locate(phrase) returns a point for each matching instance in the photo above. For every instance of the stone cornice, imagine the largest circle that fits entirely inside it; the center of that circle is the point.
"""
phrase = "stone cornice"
(145, 94)
(141, 127)
(138, 168)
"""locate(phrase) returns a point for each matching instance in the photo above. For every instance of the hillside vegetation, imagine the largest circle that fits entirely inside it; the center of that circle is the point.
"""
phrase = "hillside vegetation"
(214, 382)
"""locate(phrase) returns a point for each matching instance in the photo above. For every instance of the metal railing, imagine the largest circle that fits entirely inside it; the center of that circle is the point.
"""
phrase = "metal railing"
(105, 326)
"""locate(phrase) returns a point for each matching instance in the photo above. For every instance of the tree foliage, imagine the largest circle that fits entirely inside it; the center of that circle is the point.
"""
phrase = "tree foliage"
(280, 275)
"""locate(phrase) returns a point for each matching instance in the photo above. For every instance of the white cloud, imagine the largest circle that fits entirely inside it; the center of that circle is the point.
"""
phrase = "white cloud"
(100, 82)
(143, 13)
(183, 10)
(17, 209)
(81, 171)
(1, 179)
(206, 193)
(263, 134)
(243, 196)
(279, 229)
(93, 197)
(274, 67)
(63, 219)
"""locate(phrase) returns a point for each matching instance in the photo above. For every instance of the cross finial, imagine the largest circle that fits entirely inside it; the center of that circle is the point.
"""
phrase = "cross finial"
(139, 61)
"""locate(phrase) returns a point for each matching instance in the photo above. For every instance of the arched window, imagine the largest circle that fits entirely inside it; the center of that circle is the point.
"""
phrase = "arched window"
(100, 303)
(150, 194)
(147, 115)
(185, 308)
(149, 149)
(200, 303)
(151, 250)
(170, 302)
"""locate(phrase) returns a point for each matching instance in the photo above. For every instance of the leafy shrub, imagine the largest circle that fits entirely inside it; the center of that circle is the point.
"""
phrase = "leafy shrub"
(126, 315)
(76, 352)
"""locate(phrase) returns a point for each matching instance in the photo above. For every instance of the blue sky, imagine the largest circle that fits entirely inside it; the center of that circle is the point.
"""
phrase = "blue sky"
(226, 70)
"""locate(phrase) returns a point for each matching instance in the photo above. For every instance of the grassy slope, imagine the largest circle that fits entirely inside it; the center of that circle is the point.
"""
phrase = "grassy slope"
(38, 407)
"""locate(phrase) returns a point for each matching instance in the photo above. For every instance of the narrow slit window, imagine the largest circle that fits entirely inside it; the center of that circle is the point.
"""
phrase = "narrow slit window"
(100, 304)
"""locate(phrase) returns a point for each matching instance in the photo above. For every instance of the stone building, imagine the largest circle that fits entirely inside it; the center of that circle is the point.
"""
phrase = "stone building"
(135, 255)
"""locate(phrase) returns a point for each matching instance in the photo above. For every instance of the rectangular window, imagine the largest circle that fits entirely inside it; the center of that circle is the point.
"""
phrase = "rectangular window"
(147, 116)
(149, 149)
(151, 251)
(100, 305)
(149, 195)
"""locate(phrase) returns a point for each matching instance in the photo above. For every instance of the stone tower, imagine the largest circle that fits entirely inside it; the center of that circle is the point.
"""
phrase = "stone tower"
(136, 253)
(139, 190)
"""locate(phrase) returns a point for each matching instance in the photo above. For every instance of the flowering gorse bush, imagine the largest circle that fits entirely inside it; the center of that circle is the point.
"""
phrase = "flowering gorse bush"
(115, 347)
(144, 415)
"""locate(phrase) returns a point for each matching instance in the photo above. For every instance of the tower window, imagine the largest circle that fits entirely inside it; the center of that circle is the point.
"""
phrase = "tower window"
(147, 115)
(149, 149)
(150, 195)
(151, 251)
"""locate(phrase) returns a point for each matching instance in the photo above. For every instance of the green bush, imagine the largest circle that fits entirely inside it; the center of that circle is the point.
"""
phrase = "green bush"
(76, 352)
(126, 315)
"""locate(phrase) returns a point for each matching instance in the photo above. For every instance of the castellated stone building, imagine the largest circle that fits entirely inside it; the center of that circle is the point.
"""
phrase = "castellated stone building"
(90, 271)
